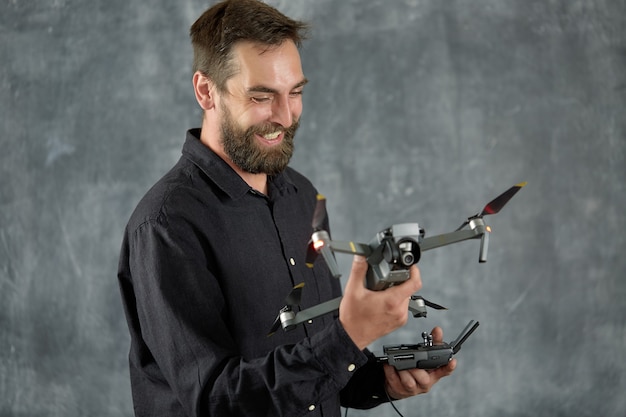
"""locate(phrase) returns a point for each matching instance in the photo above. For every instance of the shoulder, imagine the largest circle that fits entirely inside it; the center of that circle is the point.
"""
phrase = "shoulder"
(164, 193)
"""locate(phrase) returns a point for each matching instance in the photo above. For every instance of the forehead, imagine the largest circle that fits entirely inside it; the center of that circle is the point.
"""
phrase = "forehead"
(276, 67)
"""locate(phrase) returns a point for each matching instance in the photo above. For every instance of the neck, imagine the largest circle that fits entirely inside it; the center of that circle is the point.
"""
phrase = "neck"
(258, 182)
(210, 139)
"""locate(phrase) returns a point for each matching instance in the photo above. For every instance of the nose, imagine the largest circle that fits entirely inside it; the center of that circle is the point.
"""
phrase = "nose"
(283, 111)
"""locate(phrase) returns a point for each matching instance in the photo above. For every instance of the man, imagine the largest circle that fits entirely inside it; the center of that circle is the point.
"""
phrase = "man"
(215, 246)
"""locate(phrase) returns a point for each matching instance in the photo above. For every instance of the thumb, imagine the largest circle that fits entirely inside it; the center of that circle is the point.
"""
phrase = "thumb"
(357, 274)
(411, 285)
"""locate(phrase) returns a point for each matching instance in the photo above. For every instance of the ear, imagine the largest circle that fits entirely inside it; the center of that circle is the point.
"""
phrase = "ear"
(205, 90)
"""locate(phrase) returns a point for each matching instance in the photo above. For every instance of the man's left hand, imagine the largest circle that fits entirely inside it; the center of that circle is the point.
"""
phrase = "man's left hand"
(410, 382)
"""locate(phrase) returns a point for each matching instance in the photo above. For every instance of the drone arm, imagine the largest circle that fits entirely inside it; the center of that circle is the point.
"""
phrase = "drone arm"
(311, 313)
(331, 262)
(447, 239)
(290, 320)
(322, 244)
(351, 247)
(327, 247)
(477, 229)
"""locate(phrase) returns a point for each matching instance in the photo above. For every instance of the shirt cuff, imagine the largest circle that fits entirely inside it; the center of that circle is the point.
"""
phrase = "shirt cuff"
(337, 353)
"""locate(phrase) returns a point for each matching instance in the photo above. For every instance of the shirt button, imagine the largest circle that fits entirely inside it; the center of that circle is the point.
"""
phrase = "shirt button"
(312, 407)
(292, 261)
(351, 367)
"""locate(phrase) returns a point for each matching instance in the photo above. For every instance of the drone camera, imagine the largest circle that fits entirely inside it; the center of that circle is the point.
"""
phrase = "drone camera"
(400, 250)
(409, 253)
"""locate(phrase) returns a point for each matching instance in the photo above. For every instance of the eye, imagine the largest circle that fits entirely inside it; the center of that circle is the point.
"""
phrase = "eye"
(261, 99)
(295, 94)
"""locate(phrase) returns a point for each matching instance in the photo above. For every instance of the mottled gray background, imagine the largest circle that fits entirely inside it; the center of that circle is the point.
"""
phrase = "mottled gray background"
(417, 111)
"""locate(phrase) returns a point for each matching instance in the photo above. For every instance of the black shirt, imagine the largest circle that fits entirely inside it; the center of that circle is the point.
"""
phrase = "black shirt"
(205, 266)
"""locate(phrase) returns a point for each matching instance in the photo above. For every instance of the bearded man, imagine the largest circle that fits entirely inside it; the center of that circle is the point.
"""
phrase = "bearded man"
(211, 251)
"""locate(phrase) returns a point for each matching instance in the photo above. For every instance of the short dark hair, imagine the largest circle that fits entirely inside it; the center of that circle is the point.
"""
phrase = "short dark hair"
(220, 27)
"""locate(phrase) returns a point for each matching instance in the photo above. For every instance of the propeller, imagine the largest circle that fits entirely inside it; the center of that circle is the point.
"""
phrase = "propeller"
(320, 213)
(295, 296)
(495, 205)
(275, 326)
(292, 300)
(428, 303)
(418, 304)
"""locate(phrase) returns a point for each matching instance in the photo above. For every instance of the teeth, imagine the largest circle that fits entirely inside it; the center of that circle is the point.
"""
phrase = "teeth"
(272, 135)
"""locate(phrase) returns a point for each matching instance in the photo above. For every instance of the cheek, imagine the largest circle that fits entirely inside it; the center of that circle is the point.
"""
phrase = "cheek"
(258, 114)
(252, 117)
(296, 108)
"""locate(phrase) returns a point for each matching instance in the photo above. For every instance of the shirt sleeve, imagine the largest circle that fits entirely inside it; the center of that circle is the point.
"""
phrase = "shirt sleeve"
(366, 389)
(186, 344)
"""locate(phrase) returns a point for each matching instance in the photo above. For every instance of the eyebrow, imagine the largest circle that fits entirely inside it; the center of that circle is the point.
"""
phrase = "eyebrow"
(263, 89)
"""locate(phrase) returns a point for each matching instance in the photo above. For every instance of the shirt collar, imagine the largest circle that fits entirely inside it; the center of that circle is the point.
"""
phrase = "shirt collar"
(224, 176)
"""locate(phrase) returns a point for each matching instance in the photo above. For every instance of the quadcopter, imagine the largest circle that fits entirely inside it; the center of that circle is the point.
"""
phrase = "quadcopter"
(389, 255)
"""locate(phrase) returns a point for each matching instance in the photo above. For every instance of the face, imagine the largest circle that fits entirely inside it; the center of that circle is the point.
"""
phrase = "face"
(242, 147)
(261, 108)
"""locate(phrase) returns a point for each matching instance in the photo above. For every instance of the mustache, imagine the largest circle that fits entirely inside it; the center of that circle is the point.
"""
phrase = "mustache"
(266, 128)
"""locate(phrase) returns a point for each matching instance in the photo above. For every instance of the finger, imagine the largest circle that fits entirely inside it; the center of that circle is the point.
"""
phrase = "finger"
(410, 286)
(393, 385)
(409, 380)
(449, 368)
(357, 273)
(400, 384)
(437, 334)
(443, 371)
(391, 374)
(422, 379)
(415, 278)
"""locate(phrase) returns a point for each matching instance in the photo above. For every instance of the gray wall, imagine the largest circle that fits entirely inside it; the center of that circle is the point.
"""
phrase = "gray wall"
(417, 111)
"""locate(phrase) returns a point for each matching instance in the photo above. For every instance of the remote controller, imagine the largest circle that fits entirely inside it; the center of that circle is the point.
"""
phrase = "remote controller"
(425, 355)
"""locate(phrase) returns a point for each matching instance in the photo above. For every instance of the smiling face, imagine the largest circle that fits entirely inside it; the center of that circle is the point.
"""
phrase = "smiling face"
(261, 148)
(261, 107)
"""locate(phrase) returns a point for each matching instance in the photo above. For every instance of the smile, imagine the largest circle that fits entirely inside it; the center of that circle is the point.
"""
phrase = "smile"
(272, 136)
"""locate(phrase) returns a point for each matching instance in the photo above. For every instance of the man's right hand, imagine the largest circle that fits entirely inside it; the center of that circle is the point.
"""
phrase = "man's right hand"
(368, 315)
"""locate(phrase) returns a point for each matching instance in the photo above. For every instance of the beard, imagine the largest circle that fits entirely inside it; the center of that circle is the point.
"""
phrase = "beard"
(241, 147)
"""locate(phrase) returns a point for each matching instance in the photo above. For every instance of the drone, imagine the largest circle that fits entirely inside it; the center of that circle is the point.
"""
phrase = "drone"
(389, 255)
